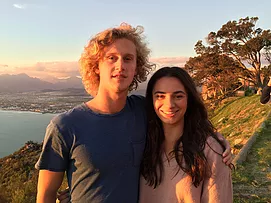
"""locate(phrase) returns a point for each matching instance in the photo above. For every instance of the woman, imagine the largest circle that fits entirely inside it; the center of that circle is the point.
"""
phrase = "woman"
(182, 161)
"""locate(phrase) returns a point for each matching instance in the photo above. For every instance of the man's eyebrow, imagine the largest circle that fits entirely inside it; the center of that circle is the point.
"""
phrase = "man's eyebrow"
(115, 53)
(110, 53)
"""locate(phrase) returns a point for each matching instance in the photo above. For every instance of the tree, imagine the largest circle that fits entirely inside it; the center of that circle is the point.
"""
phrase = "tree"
(219, 73)
(244, 43)
(267, 52)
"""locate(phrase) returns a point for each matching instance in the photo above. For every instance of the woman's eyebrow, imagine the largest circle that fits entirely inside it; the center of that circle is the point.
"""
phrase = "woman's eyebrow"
(180, 91)
(176, 92)
(159, 92)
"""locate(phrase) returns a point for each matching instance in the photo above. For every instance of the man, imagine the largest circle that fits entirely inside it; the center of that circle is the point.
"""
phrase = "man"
(266, 93)
(100, 143)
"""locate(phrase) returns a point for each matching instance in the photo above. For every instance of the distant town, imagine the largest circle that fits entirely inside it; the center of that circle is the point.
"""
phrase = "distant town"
(44, 101)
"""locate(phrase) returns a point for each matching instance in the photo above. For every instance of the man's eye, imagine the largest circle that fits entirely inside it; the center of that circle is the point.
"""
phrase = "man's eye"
(128, 58)
(110, 57)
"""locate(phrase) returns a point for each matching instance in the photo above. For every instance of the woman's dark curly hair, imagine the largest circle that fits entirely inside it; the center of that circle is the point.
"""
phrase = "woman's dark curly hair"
(197, 128)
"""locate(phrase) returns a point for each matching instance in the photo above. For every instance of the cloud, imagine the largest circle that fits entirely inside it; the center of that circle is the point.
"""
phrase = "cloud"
(3, 66)
(58, 69)
(28, 6)
(45, 70)
(5, 69)
(20, 6)
(170, 61)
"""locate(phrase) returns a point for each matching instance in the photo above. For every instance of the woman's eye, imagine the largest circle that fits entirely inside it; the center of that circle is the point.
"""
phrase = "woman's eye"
(159, 96)
(179, 96)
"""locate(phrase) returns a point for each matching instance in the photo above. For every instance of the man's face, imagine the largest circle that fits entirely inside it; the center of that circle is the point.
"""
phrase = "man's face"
(117, 67)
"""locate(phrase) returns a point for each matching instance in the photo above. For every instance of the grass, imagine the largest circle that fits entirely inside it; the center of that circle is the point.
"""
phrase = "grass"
(252, 179)
(239, 118)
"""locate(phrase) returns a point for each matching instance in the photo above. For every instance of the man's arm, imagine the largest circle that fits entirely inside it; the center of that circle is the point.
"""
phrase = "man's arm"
(48, 184)
(266, 93)
(227, 156)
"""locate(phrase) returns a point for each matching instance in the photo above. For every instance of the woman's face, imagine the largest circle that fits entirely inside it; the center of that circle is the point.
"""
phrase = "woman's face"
(170, 100)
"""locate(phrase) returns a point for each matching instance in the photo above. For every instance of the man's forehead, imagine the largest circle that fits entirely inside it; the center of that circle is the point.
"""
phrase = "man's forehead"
(122, 46)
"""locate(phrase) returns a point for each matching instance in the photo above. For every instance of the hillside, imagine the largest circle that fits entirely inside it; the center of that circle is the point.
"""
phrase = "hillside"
(18, 177)
(236, 119)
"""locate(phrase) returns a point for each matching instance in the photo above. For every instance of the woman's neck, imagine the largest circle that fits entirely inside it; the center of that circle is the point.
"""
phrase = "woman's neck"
(172, 134)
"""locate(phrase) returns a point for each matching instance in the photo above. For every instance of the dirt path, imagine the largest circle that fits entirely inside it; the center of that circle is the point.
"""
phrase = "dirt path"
(252, 179)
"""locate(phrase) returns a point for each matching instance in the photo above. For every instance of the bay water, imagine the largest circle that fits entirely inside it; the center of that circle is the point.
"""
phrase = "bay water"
(18, 127)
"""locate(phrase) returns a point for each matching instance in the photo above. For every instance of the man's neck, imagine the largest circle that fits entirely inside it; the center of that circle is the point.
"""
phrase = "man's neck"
(108, 103)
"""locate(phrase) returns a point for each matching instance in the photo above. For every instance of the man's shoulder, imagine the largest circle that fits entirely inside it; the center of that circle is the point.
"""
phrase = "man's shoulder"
(69, 116)
(136, 102)
(136, 97)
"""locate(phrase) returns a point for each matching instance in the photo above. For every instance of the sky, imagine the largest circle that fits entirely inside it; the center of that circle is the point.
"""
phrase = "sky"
(45, 38)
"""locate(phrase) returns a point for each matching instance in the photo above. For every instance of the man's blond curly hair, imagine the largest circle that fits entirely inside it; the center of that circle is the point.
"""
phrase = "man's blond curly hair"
(94, 51)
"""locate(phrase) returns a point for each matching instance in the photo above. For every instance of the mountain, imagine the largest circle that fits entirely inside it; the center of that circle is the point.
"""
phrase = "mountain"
(71, 82)
(25, 83)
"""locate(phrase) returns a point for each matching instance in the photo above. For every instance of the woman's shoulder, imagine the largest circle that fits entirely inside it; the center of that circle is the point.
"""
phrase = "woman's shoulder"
(213, 147)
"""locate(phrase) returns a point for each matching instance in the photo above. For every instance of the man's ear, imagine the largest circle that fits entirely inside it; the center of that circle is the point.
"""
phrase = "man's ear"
(135, 71)
(97, 71)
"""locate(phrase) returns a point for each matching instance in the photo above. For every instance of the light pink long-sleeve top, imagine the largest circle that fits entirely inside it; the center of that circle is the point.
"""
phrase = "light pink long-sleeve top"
(179, 189)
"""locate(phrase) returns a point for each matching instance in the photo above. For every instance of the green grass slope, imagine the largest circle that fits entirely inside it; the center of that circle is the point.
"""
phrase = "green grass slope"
(252, 179)
(238, 118)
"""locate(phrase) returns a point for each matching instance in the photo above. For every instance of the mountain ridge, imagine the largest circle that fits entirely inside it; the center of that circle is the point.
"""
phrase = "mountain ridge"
(24, 83)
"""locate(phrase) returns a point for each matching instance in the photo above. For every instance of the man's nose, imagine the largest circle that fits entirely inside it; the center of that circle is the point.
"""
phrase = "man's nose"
(120, 65)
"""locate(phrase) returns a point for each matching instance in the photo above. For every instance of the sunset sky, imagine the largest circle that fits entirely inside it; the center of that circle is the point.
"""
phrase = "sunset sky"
(45, 38)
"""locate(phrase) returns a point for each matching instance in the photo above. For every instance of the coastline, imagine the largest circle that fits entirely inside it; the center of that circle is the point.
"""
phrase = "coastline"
(14, 110)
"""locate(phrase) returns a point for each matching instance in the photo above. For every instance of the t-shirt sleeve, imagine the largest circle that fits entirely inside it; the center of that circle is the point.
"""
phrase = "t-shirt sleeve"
(55, 151)
(218, 187)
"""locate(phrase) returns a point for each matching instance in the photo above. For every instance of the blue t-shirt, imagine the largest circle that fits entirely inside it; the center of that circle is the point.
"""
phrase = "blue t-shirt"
(101, 153)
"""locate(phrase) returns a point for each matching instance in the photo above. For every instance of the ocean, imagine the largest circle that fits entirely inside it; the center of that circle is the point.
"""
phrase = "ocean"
(18, 127)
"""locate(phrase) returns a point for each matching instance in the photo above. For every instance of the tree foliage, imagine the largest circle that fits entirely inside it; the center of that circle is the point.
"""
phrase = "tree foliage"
(243, 42)
(219, 73)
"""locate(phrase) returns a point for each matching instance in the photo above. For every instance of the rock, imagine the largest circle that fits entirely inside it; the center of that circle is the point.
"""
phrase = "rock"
(237, 141)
